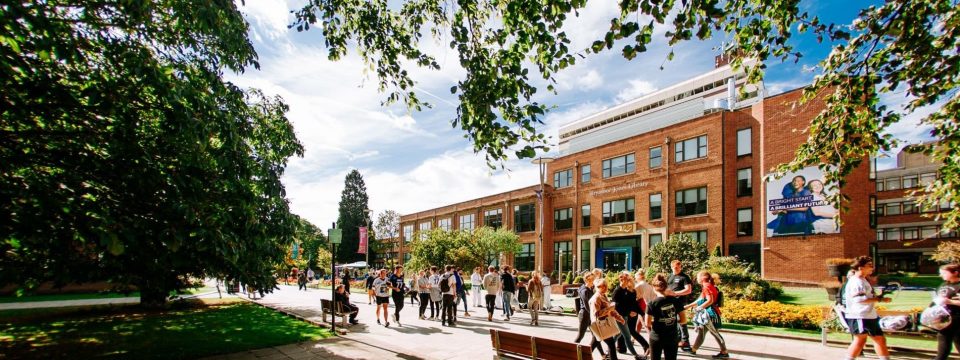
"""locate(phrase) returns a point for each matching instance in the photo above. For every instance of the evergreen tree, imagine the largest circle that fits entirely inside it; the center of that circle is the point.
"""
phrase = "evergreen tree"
(353, 215)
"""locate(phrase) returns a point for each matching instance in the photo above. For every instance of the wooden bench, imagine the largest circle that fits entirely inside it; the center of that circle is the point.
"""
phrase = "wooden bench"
(514, 345)
(326, 306)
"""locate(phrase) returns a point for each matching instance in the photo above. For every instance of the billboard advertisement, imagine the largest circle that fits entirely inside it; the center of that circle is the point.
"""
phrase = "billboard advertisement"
(797, 205)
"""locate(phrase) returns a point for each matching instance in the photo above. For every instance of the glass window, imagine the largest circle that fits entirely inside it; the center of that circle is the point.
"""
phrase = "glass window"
(585, 215)
(892, 234)
(690, 149)
(584, 254)
(945, 233)
(909, 207)
(692, 201)
(618, 211)
(745, 222)
(699, 236)
(563, 219)
(562, 179)
(745, 182)
(879, 235)
(656, 206)
(585, 174)
(880, 185)
(618, 166)
(562, 257)
(408, 233)
(493, 259)
(891, 209)
(744, 142)
(467, 222)
(524, 218)
(927, 179)
(493, 218)
(655, 239)
(424, 229)
(656, 157)
(444, 223)
(910, 233)
(891, 184)
(910, 181)
(873, 212)
(928, 232)
(524, 260)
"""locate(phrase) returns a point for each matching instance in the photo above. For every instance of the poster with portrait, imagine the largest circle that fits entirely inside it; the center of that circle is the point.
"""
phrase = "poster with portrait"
(797, 205)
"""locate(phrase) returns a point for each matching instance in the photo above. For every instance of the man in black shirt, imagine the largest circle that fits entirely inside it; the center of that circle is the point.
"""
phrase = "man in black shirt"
(344, 300)
(509, 288)
(399, 292)
(680, 286)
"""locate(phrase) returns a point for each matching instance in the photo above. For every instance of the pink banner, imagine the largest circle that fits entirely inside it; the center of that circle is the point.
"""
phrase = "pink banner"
(363, 241)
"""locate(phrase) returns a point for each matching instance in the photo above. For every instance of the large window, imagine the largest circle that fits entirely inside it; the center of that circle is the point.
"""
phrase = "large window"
(445, 223)
(424, 229)
(524, 218)
(656, 206)
(585, 174)
(618, 211)
(563, 219)
(562, 179)
(618, 166)
(655, 239)
(891, 209)
(873, 212)
(467, 221)
(408, 233)
(700, 236)
(744, 142)
(910, 181)
(562, 255)
(585, 215)
(524, 260)
(745, 222)
(656, 157)
(692, 201)
(584, 254)
(745, 182)
(493, 218)
(690, 149)
(493, 259)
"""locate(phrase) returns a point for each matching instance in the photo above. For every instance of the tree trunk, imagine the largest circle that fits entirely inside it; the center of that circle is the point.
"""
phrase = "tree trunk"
(153, 297)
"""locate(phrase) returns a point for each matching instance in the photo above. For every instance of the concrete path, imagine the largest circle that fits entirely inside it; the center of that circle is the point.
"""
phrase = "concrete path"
(69, 303)
(424, 339)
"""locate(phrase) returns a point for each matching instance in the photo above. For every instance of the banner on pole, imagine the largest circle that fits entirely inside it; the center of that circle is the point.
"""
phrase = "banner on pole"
(362, 249)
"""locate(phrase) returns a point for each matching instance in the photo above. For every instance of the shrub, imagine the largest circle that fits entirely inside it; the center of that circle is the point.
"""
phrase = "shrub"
(569, 278)
(691, 253)
(739, 281)
(772, 313)
(578, 280)
(522, 278)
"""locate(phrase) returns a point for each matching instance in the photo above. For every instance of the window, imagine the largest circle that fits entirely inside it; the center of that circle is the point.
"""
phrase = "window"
(879, 235)
(699, 236)
(745, 182)
(562, 257)
(584, 254)
(910, 233)
(910, 181)
(891, 184)
(406, 257)
(563, 219)
(655, 239)
(408, 233)
(585, 216)
(744, 142)
(873, 212)
(444, 223)
(656, 157)
(562, 179)
(891, 209)
(618, 166)
(927, 179)
(745, 222)
(656, 206)
(585, 174)
(618, 211)
(891, 234)
(692, 201)
(493, 218)
(524, 218)
(909, 207)
(524, 260)
(493, 259)
(928, 232)
(691, 149)
(424, 229)
(466, 222)
(880, 185)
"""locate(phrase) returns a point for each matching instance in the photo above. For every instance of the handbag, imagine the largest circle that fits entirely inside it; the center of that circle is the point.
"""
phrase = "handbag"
(604, 328)
(936, 317)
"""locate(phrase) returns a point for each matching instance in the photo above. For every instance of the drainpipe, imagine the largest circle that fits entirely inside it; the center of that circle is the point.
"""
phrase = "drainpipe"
(666, 193)
(576, 224)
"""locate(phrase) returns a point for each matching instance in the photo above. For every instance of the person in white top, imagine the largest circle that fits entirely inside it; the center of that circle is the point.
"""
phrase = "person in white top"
(646, 292)
(476, 284)
(547, 289)
(861, 313)
(491, 282)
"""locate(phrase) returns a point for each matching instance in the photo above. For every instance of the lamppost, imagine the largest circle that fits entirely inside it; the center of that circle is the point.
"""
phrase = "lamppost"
(542, 162)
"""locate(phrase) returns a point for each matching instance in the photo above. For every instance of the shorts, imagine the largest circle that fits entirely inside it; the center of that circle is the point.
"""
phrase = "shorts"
(383, 300)
(865, 326)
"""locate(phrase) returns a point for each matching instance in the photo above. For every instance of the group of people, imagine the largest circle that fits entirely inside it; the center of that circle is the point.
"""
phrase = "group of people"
(658, 306)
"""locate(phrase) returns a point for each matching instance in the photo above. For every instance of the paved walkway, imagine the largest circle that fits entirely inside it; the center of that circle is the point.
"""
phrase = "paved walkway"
(69, 303)
(423, 339)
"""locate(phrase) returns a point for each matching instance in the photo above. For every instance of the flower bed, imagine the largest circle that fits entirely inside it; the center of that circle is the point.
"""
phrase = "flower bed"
(773, 313)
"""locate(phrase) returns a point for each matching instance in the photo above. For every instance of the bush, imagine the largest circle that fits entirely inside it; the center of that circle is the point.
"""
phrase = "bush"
(522, 278)
(691, 253)
(738, 281)
(578, 280)
(773, 313)
(569, 277)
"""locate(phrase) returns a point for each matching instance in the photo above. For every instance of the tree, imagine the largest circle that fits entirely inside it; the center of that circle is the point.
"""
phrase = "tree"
(386, 229)
(127, 157)
(504, 47)
(680, 246)
(947, 252)
(466, 249)
(311, 240)
(353, 215)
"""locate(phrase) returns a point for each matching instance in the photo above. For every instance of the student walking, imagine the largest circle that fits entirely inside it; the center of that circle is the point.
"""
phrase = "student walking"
(412, 289)
(491, 282)
(948, 295)
(476, 286)
(370, 276)
(423, 287)
(601, 308)
(302, 281)
(585, 293)
(435, 296)
(663, 315)
(448, 287)
(680, 287)
(509, 287)
(535, 298)
(461, 293)
(707, 315)
(399, 288)
(381, 289)
(625, 300)
(861, 314)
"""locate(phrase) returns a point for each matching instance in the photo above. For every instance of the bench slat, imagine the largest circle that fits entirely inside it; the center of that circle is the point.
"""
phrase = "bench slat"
(527, 346)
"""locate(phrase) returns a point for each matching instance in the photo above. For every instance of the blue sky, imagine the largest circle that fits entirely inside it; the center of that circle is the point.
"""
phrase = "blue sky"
(413, 161)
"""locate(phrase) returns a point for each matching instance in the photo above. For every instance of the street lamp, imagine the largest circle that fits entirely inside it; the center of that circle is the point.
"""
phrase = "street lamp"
(542, 162)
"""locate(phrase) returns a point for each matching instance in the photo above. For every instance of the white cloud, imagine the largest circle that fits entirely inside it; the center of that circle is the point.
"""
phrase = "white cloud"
(636, 88)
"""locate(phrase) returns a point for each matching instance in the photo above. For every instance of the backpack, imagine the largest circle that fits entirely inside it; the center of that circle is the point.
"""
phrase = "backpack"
(445, 284)
(719, 302)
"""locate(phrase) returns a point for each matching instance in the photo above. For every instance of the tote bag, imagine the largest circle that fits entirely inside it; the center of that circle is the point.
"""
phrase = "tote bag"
(604, 328)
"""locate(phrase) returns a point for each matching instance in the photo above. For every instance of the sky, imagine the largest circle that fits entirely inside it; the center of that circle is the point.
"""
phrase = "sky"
(413, 161)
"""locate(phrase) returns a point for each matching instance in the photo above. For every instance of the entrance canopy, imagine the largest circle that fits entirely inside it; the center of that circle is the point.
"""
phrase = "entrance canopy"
(354, 265)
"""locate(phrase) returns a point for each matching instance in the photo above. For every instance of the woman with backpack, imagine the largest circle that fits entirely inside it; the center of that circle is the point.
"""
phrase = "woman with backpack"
(707, 314)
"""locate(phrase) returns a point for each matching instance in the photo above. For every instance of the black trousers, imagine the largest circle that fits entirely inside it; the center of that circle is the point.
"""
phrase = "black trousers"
(351, 307)
(947, 339)
(611, 346)
(665, 345)
(582, 330)
(397, 303)
(632, 324)
(449, 307)
(424, 299)
(491, 301)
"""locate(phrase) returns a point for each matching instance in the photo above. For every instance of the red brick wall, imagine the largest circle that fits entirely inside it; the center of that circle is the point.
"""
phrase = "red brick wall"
(733, 122)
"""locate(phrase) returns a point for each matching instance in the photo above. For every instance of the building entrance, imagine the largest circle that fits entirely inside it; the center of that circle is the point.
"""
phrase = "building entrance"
(615, 259)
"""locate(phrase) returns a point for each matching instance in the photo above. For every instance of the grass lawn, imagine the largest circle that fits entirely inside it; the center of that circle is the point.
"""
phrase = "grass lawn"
(58, 297)
(932, 281)
(193, 330)
(929, 343)
(902, 300)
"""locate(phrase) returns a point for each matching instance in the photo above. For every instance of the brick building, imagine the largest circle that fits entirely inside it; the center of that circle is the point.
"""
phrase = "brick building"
(907, 234)
(688, 158)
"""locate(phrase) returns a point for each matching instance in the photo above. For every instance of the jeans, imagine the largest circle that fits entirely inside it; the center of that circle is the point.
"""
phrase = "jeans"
(632, 326)
(625, 336)
(507, 300)
(462, 298)
(667, 345)
(449, 308)
(948, 338)
(491, 302)
(424, 299)
(709, 327)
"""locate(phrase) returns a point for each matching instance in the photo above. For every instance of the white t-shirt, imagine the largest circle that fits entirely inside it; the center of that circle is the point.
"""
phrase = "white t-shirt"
(645, 291)
(491, 282)
(857, 290)
(381, 287)
(476, 280)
